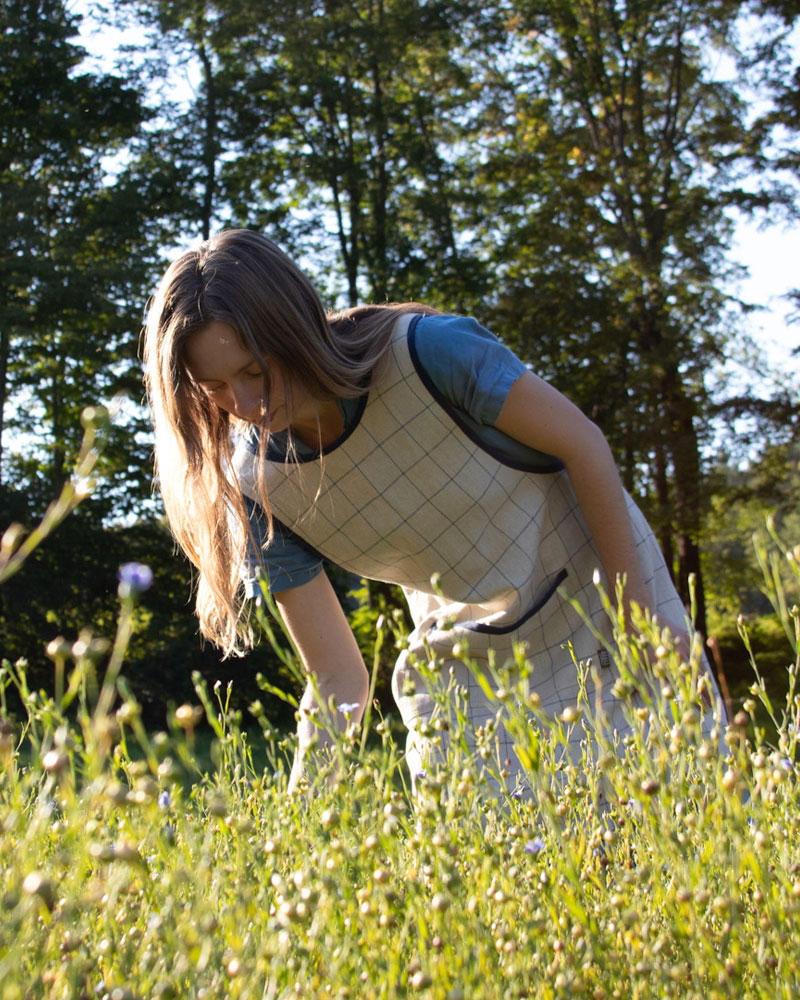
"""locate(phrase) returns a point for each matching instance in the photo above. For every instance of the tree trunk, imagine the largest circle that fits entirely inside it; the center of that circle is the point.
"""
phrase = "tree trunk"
(685, 454)
(5, 338)
(58, 462)
(380, 289)
(209, 140)
(663, 526)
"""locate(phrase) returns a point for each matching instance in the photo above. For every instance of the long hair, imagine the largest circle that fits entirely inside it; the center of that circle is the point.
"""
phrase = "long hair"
(241, 278)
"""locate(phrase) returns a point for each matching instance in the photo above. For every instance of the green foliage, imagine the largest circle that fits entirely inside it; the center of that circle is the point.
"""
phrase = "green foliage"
(379, 607)
(546, 165)
(663, 865)
(74, 262)
(741, 504)
(47, 604)
(331, 128)
(616, 155)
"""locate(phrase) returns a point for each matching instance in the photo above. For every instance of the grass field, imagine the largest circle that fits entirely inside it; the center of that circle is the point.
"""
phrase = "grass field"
(128, 871)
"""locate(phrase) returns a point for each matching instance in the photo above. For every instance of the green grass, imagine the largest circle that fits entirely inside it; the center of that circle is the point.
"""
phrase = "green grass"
(139, 865)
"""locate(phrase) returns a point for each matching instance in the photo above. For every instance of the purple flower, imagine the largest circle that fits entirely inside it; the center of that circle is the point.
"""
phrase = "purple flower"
(786, 763)
(134, 579)
(535, 846)
(164, 800)
(348, 707)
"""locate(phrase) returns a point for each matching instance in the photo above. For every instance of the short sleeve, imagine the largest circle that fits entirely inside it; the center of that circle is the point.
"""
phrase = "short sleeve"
(287, 561)
(468, 364)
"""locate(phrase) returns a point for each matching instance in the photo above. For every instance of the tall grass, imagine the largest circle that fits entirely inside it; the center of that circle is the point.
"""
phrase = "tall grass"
(663, 865)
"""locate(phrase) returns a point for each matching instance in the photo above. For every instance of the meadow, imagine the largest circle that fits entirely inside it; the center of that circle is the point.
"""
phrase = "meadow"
(663, 865)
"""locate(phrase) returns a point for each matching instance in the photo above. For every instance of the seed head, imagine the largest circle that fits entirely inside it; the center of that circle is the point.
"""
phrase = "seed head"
(730, 780)
(649, 786)
(54, 762)
(188, 716)
(38, 884)
(58, 648)
(94, 417)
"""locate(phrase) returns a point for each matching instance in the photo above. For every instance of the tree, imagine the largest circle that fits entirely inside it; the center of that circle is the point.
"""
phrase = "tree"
(621, 157)
(73, 259)
(780, 69)
(336, 121)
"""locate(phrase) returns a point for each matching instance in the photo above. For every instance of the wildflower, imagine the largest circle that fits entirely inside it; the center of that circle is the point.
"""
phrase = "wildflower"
(164, 800)
(348, 707)
(786, 763)
(134, 579)
(535, 846)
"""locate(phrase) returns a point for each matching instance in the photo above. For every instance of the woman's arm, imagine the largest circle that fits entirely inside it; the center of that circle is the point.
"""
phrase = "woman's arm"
(537, 415)
(317, 624)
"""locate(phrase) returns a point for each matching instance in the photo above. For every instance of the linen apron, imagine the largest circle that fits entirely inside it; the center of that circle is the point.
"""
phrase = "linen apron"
(481, 546)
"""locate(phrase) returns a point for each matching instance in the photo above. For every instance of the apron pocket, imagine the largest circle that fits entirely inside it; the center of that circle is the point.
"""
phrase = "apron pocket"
(534, 610)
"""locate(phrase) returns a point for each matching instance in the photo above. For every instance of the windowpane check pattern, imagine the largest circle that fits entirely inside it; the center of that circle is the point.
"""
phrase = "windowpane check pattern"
(408, 496)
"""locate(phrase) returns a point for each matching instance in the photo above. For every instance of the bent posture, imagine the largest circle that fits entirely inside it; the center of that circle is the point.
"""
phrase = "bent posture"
(403, 445)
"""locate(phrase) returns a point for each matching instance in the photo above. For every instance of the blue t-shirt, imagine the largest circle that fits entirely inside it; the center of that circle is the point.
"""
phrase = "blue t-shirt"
(469, 367)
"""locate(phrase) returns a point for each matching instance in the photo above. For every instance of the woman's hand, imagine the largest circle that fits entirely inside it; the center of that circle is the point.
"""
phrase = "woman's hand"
(539, 416)
(326, 644)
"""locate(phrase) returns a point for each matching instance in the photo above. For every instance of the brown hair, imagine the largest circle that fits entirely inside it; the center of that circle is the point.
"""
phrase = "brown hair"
(241, 278)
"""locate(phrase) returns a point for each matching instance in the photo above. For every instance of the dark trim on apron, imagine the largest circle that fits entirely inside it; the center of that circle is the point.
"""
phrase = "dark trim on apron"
(549, 463)
(537, 607)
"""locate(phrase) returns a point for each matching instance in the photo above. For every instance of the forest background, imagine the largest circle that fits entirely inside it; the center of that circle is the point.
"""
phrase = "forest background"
(571, 173)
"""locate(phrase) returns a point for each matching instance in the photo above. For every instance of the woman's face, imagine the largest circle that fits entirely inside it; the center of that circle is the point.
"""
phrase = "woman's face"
(232, 378)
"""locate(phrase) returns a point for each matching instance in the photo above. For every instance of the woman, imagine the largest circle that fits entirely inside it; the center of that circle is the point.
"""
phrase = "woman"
(403, 445)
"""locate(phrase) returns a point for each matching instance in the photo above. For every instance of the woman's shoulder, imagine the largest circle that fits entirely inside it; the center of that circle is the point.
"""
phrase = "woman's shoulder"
(466, 363)
(442, 327)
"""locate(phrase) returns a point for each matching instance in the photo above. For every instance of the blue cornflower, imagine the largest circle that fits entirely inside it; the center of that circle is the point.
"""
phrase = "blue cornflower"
(134, 579)
(535, 846)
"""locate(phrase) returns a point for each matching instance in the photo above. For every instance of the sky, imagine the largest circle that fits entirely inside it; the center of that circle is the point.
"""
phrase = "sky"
(772, 257)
